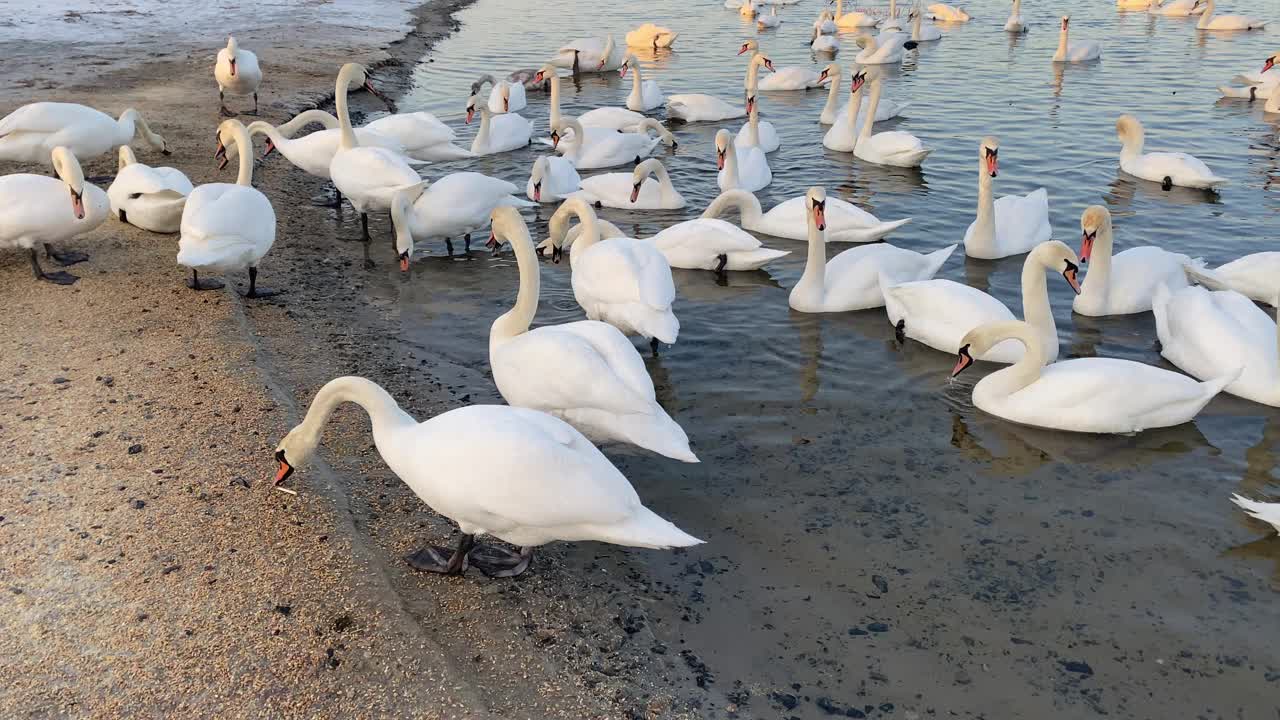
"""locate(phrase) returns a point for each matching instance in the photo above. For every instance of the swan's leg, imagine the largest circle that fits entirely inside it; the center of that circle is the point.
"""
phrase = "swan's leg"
(222, 105)
(254, 290)
(724, 260)
(255, 103)
(653, 346)
(64, 258)
(499, 562)
(448, 245)
(326, 201)
(58, 278)
(433, 558)
(195, 283)
(467, 247)
(900, 330)
(576, 71)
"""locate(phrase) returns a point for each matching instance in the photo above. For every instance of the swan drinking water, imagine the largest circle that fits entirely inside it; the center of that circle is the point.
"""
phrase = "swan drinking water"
(237, 72)
(1012, 225)
(30, 133)
(45, 210)
(645, 94)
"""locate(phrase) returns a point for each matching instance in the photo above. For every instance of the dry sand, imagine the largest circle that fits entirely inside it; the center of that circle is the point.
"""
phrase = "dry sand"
(151, 571)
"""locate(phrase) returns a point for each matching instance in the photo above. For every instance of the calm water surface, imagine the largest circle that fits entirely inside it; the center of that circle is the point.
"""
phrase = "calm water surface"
(873, 540)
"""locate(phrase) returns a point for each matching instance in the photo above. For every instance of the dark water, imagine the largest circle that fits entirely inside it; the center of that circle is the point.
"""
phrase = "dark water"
(872, 539)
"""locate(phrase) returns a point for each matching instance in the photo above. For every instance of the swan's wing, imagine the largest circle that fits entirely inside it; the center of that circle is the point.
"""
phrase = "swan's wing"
(940, 312)
(623, 270)
(139, 178)
(45, 117)
(620, 355)
(705, 236)
(413, 130)
(1023, 220)
(368, 169)
(1175, 164)
(1108, 385)
(583, 376)
(1137, 272)
(1266, 512)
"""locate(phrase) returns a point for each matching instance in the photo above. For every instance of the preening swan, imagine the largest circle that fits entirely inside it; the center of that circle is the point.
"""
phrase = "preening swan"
(529, 479)
(636, 190)
(1123, 284)
(825, 24)
(702, 108)
(30, 133)
(894, 147)
(645, 94)
(498, 133)
(591, 148)
(589, 55)
(746, 169)
(1255, 276)
(552, 179)
(1012, 225)
(1092, 395)
(151, 198)
(845, 222)
(851, 280)
(1210, 21)
(1078, 51)
(938, 313)
(456, 205)
(227, 227)
(1208, 334)
(237, 72)
(45, 210)
(1168, 169)
(601, 388)
(652, 36)
(1268, 513)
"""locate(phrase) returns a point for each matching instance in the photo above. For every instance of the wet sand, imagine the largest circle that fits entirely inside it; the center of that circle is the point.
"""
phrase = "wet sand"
(150, 569)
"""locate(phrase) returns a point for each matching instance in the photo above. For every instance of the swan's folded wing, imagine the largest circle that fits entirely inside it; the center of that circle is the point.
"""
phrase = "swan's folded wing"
(623, 270)
(618, 352)
(369, 169)
(582, 375)
(841, 214)
(1175, 164)
(1106, 385)
(41, 117)
(414, 130)
(709, 235)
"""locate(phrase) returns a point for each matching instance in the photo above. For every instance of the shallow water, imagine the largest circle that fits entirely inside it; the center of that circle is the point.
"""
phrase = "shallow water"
(872, 538)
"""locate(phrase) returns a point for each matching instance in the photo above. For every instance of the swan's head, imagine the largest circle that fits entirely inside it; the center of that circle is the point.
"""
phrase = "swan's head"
(226, 136)
(1128, 128)
(1270, 62)
(559, 131)
(401, 206)
(724, 141)
(358, 76)
(652, 166)
(544, 72)
(765, 60)
(866, 42)
(748, 46)
(505, 224)
(1057, 256)
(989, 152)
(471, 108)
(859, 79)
(1095, 219)
(68, 169)
(981, 339)
(232, 48)
(751, 103)
(829, 73)
(294, 451)
(816, 203)
(1066, 19)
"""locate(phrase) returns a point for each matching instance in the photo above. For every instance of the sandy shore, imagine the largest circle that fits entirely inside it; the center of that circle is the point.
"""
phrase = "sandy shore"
(150, 569)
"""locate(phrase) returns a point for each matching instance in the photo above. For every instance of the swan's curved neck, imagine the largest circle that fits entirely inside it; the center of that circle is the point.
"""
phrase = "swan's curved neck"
(516, 321)
(348, 140)
(984, 227)
(1022, 373)
(384, 412)
(753, 122)
(579, 139)
(915, 26)
(731, 164)
(748, 206)
(1035, 305)
(486, 119)
(666, 189)
(1017, 8)
(278, 138)
(872, 105)
(244, 149)
(813, 281)
(753, 72)
(555, 99)
(302, 119)
(1132, 143)
(833, 95)
(1207, 16)
(126, 157)
(1097, 282)
(126, 126)
(588, 235)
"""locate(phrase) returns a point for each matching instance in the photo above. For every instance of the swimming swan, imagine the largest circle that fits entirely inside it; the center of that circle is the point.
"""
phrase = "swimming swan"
(1123, 284)
(1012, 225)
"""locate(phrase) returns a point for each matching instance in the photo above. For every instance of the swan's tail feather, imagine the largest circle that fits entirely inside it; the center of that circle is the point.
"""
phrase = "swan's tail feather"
(658, 433)
(1215, 386)
(866, 234)
(645, 529)
(753, 259)
(1159, 308)
(1266, 512)
(1206, 277)
(936, 260)
(514, 201)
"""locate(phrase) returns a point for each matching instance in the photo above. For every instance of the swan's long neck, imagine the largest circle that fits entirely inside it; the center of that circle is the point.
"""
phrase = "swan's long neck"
(1022, 373)
(1132, 144)
(516, 321)
(1062, 44)
(855, 102)
(1207, 16)
(731, 164)
(746, 203)
(815, 267)
(753, 121)
(244, 148)
(636, 81)
(302, 119)
(839, 10)
(278, 138)
(984, 227)
(753, 72)
(486, 119)
(1017, 9)
(384, 412)
(833, 95)
(915, 26)
(1098, 280)
(872, 106)
(348, 140)
(1035, 305)
(555, 99)
(665, 187)
(126, 126)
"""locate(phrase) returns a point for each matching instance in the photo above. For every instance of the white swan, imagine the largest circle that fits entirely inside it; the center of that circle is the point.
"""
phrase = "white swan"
(635, 190)
(921, 32)
(456, 205)
(1123, 284)
(894, 147)
(842, 136)
(851, 20)
(1208, 334)
(1015, 23)
(1255, 276)
(845, 222)
(948, 13)
(1169, 169)
(891, 21)
(45, 210)
(423, 135)
(227, 227)
(622, 281)
(1210, 21)
(504, 95)
(498, 133)
(645, 94)
(881, 49)
(833, 74)
(1092, 395)
(756, 132)
(589, 55)
(237, 72)
(610, 118)
(1012, 225)
(1133, 4)
(938, 313)
(702, 108)
(529, 479)
(313, 153)
(1176, 8)
(602, 387)
(825, 24)
(764, 22)
(824, 44)
(652, 36)
(748, 169)
(779, 79)
(712, 244)
(1078, 51)
(30, 133)
(151, 198)
(552, 179)
(599, 148)
(747, 9)
(851, 280)
(1268, 513)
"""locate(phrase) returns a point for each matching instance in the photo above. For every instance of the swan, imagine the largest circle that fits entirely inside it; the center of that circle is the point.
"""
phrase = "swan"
(601, 386)
(748, 170)
(653, 36)
(1092, 395)
(702, 108)
(635, 190)
(1266, 512)
(894, 147)
(1255, 276)
(228, 227)
(422, 134)
(552, 179)
(1207, 334)
(456, 205)
(313, 153)
(610, 118)
(948, 13)
(504, 96)
(756, 132)
(833, 74)
(747, 9)
(589, 55)
(1269, 75)
(41, 209)
(922, 33)
(825, 24)
(622, 281)
(1079, 51)
(1176, 8)
(938, 313)
(367, 176)
(1169, 169)
(498, 133)
(529, 479)
(1012, 225)
(842, 135)
(824, 44)
(881, 50)
(237, 72)
(845, 222)
(852, 20)
(791, 78)
(891, 21)
(599, 148)
(712, 244)
(645, 94)
(851, 280)
(1124, 284)
(528, 78)
(1209, 21)
(1015, 23)
(30, 133)
(1133, 4)
(151, 198)
(764, 22)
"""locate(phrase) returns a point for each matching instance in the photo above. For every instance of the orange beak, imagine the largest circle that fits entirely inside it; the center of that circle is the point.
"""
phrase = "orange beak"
(471, 112)
(1270, 63)
(77, 204)
(720, 159)
(283, 473)
(635, 192)
(993, 165)
(744, 49)
(1070, 274)
(404, 262)
(820, 217)
(537, 192)
(233, 67)
(622, 71)
(857, 83)
(539, 77)
(1086, 246)
(963, 361)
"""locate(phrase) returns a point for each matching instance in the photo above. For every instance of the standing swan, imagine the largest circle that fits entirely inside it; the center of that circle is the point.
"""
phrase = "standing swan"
(1209, 21)
(603, 389)
(237, 72)
(530, 479)
(30, 133)
(1123, 284)
(1012, 225)
(498, 133)
(40, 209)
(151, 198)
(1074, 52)
(1168, 169)
(228, 226)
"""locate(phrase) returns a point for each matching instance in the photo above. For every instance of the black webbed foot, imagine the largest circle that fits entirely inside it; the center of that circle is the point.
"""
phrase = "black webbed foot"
(496, 561)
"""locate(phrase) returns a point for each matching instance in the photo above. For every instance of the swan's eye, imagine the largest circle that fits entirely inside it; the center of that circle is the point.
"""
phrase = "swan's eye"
(134, 196)
(992, 152)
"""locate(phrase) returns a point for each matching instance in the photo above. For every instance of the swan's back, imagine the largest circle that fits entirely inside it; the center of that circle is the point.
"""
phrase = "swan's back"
(225, 225)
(1208, 334)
